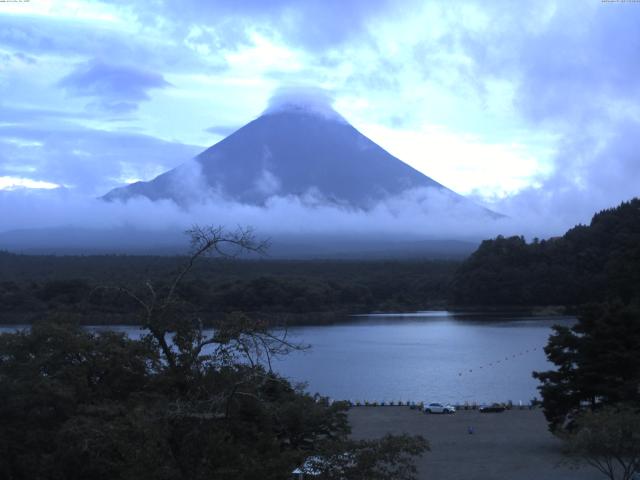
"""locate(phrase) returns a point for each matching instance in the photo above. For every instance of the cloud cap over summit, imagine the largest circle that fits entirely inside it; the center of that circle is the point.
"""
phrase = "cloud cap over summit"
(312, 100)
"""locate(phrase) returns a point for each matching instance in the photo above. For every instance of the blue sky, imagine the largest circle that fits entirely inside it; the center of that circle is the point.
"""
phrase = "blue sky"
(522, 105)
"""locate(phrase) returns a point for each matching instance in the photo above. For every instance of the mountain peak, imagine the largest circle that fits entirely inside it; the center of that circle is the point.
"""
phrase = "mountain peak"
(299, 148)
(303, 100)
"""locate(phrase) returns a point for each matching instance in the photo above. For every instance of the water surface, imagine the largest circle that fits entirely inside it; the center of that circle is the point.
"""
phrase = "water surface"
(432, 356)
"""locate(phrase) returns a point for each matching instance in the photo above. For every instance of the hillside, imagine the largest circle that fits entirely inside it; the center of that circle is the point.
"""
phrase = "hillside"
(589, 263)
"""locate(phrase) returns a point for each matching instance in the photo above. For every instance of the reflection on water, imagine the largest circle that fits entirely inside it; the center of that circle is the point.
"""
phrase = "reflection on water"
(432, 356)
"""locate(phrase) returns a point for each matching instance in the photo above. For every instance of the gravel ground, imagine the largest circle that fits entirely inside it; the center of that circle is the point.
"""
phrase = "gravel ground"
(513, 445)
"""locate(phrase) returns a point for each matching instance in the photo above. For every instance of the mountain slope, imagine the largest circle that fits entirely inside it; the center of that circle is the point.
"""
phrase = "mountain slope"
(289, 152)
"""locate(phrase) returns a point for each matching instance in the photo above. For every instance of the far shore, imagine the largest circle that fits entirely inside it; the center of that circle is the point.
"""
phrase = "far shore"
(512, 445)
(284, 319)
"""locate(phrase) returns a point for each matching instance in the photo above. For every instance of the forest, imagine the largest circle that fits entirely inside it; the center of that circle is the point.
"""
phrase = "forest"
(589, 263)
(88, 288)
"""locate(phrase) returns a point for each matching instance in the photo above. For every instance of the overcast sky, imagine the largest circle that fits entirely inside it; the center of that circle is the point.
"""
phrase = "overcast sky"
(521, 105)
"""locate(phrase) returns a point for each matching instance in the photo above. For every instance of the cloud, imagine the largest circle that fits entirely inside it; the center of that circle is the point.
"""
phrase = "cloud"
(574, 81)
(118, 88)
(222, 130)
(12, 183)
(303, 98)
(594, 171)
(562, 68)
(21, 115)
(91, 161)
(313, 24)
(424, 214)
(66, 39)
(267, 183)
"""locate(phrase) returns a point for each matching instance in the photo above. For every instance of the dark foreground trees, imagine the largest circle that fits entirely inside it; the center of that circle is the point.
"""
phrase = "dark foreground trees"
(608, 439)
(175, 403)
(592, 399)
(597, 360)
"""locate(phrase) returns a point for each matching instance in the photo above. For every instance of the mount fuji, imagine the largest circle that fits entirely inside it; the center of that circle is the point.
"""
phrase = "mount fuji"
(292, 150)
(301, 175)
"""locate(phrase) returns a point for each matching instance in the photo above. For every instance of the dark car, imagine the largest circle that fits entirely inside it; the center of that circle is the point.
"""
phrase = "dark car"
(495, 408)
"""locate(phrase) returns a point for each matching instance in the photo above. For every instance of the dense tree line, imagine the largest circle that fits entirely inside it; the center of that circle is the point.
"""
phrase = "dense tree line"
(593, 263)
(30, 286)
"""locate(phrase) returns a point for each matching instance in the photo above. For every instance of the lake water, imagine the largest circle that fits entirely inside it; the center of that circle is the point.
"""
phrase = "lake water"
(426, 356)
(432, 356)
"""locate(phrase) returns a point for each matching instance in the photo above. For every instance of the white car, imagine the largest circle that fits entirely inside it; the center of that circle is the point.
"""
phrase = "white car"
(439, 408)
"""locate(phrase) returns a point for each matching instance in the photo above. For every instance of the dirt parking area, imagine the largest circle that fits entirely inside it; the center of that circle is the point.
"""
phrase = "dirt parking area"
(513, 445)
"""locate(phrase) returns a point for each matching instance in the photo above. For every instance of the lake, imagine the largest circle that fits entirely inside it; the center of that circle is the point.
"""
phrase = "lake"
(431, 356)
(424, 356)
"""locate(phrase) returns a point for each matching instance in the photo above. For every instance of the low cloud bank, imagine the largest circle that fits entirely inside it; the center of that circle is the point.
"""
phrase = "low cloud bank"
(413, 215)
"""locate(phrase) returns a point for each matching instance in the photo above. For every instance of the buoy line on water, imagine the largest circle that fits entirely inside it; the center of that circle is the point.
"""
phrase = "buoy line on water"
(497, 362)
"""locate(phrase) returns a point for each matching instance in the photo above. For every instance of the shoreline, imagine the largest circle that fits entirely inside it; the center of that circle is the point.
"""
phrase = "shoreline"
(290, 319)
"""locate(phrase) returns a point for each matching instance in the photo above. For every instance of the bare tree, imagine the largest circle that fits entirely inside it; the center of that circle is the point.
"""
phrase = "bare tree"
(188, 350)
(181, 339)
(160, 306)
